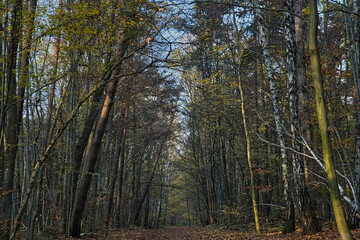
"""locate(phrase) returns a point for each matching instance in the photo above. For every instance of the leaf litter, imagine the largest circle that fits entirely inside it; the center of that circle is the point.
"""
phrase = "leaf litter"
(204, 233)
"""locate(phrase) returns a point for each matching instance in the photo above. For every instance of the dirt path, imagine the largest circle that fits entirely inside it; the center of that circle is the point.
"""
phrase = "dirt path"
(203, 233)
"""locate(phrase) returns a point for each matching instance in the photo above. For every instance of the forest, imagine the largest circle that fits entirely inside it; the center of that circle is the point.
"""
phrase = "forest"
(209, 119)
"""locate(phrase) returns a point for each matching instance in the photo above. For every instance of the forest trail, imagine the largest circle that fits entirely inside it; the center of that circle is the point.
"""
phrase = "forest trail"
(205, 233)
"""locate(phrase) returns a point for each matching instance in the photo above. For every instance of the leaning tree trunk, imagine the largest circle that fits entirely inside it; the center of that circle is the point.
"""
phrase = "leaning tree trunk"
(94, 146)
(48, 149)
(323, 124)
(290, 221)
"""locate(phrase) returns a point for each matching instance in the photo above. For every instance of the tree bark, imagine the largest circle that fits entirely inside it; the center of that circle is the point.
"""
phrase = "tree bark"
(139, 204)
(303, 201)
(121, 174)
(290, 222)
(353, 31)
(119, 163)
(11, 126)
(250, 161)
(323, 124)
(218, 184)
(25, 55)
(301, 73)
(94, 146)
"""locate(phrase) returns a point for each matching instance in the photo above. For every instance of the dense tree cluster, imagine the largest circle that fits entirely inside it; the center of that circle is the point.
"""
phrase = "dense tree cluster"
(142, 113)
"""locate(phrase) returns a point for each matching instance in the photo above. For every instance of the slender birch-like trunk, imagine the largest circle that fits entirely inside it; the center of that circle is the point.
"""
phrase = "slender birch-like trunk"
(250, 161)
(247, 136)
(303, 201)
(290, 222)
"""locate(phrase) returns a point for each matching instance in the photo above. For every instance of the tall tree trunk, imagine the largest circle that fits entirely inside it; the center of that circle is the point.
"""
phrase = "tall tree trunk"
(290, 222)
(303, 201)
(218, 184)
(70, 151)
(23, 80)
(25, 55)
(11, 127)
(353, 28)
(147, 224)
(302, 82)
(121, 172)
(119, 163)
(44, 156)
(163, 139)
(207, 172)
(2, 95)
(139, 204)
(95, 145)
(247, 136)
(250, 161)
(90, 123)
(323, 124)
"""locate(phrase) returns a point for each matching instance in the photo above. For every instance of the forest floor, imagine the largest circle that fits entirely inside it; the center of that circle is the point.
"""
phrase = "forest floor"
(202, 233)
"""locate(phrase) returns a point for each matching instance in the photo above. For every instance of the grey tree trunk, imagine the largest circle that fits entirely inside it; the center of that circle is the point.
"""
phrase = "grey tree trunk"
(352, 33)
(354, 219)
(219, 190)
(302, 198)
(139, 204)
(302, 82)
(119, 163)
(290, 222)
(121, 172)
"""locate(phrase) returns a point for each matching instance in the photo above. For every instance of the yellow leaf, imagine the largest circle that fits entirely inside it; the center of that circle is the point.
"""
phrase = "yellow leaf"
(148, 40)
